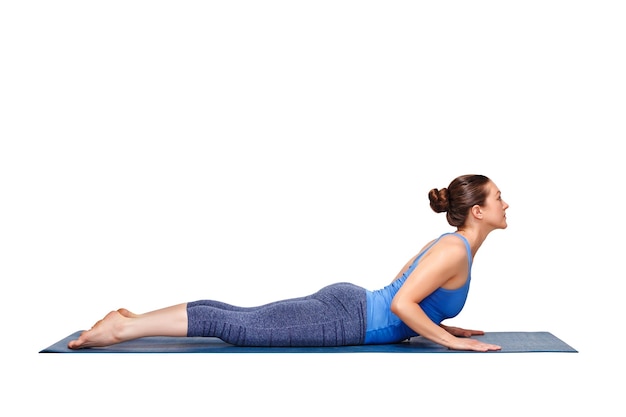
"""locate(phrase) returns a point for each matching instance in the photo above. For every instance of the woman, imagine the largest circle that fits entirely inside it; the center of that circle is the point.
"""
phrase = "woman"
(432, 287)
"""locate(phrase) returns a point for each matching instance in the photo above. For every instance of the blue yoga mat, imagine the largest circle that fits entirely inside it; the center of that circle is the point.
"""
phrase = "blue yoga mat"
(511, 342)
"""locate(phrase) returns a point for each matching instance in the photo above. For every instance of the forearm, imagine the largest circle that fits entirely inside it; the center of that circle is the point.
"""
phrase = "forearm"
(414, 317)
(451, 337)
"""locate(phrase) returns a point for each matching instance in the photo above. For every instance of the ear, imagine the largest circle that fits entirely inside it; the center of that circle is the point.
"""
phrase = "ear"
(477, 212)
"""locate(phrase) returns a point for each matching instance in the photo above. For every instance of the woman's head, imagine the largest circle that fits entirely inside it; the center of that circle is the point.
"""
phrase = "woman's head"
(463, 193)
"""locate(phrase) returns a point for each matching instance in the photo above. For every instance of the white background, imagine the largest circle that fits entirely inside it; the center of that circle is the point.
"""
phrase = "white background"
(160, 152)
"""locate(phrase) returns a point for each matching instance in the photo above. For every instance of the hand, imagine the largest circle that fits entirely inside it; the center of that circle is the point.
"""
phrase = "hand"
(459, 332)
(464, 343)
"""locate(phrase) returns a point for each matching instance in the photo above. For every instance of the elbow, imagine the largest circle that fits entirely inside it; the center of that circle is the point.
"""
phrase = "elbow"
(403, 306)
(398, 307)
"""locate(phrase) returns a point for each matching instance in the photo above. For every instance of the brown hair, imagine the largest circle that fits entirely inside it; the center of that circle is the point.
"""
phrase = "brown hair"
(463, 193)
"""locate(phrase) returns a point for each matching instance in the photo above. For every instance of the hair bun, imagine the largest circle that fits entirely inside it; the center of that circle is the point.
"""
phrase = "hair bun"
(439, 200)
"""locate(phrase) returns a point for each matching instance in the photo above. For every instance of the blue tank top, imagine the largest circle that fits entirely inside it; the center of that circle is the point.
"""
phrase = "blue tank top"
(383, 326)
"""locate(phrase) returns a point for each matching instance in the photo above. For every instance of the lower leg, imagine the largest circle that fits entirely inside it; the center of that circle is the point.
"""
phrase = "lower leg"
(122, 325)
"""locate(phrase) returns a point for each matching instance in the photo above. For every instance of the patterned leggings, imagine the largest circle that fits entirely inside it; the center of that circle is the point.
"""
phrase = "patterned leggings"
(333, 316)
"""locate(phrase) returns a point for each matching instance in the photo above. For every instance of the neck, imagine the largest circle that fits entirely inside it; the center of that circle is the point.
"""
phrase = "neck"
(474, 236)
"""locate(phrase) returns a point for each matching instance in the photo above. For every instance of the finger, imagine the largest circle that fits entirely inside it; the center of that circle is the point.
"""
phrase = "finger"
(469, 333)
(485, 347)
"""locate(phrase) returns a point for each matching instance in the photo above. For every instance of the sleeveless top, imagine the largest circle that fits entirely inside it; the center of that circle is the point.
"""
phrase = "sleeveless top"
(383, 326)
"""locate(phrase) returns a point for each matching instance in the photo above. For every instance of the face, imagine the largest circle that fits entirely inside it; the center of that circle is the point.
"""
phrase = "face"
(494, 209)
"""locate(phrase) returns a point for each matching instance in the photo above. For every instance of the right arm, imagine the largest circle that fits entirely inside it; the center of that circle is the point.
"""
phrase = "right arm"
(442, 263)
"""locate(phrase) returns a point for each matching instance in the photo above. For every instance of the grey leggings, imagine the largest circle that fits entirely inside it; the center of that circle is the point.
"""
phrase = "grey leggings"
(333, 316)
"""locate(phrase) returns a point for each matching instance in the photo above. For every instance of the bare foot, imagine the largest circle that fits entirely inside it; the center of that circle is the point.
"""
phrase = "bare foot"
(124, 312)
(105, 332)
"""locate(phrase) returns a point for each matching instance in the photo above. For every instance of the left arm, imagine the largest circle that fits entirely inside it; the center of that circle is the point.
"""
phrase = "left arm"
(459, 332)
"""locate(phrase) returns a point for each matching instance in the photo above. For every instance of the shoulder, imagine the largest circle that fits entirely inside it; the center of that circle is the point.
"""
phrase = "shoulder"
(445, 260)
(451, 247)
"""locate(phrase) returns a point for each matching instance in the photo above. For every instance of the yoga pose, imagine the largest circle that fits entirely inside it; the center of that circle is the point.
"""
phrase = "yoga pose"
(430, 288)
